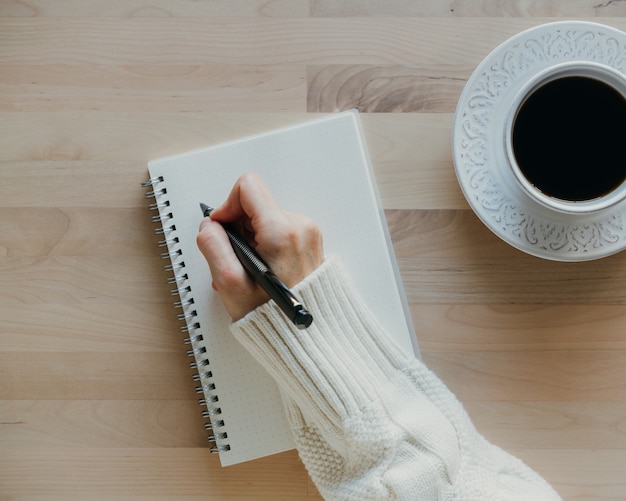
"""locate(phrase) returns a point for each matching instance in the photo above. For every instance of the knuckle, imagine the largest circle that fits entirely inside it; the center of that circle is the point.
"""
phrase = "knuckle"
(248, 179)
(307, 234)
(312, 230)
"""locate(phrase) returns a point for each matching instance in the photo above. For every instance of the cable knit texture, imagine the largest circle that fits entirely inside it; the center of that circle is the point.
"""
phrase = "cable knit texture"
(370, 421)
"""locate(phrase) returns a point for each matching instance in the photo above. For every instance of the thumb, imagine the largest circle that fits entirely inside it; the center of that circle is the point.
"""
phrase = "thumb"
(215, 246)
(238, 291)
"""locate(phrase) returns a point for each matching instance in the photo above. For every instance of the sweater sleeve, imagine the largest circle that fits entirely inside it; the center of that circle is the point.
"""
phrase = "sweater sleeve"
(371, 421)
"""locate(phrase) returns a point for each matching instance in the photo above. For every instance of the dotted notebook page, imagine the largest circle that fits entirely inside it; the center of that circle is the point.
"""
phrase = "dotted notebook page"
(319, 168)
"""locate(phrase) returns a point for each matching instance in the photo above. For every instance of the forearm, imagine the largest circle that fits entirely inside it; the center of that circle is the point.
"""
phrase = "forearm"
(370, 421)
(335, 369)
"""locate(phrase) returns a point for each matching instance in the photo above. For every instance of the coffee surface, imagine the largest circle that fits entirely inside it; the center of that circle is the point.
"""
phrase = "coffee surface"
(569, 138)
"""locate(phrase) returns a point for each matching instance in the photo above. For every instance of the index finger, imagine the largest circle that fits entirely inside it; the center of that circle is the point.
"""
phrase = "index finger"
(250, 199)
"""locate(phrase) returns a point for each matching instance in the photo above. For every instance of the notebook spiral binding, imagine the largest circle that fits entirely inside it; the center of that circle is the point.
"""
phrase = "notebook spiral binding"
(189, 323)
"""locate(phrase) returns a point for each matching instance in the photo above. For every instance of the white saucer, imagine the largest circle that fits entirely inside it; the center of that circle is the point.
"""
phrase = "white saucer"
(480, 158)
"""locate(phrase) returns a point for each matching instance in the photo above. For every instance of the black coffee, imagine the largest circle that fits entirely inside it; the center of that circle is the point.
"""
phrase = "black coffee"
(569, 138)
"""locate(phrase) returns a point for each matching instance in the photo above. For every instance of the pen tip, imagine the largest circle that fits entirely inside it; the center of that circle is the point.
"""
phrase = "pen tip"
(206, 210)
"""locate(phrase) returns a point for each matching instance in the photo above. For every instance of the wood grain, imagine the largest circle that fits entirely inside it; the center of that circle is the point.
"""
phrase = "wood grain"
(447, 255)
(386, 89)
(313, 8)
(479, 8)
(178, 471)
(519, 327)
(597, 471)
(95, 375)
(551, 425)
(535, 375)
(258, 41)
(96, 400)
(103, 423)
(60, 231)
(69, 280)
(157, 87)
(155, 8)
(131, 327)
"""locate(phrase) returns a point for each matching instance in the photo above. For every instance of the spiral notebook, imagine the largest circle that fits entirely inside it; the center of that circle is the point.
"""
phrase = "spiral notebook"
(320, 168)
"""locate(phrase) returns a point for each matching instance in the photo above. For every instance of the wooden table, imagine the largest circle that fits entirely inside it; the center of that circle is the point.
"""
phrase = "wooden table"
(96, 398)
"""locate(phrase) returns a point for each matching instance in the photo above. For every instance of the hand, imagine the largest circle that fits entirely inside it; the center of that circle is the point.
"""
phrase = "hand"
(290, 244)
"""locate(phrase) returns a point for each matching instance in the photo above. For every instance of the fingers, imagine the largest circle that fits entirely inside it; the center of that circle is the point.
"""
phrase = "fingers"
(250, 198)
(239, 293)
(290, 244)
(215, 246)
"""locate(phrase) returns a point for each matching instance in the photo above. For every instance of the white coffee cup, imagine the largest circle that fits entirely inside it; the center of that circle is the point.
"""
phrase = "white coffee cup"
(589, 75)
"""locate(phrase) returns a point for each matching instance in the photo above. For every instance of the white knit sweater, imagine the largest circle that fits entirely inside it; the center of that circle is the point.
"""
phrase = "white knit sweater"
(370, 421)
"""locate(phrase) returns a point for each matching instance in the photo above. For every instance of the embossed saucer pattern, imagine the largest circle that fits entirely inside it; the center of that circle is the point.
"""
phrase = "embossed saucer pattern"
(479, 152)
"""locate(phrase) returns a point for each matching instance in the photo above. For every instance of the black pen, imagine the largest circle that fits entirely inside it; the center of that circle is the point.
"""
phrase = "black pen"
(265, 277)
